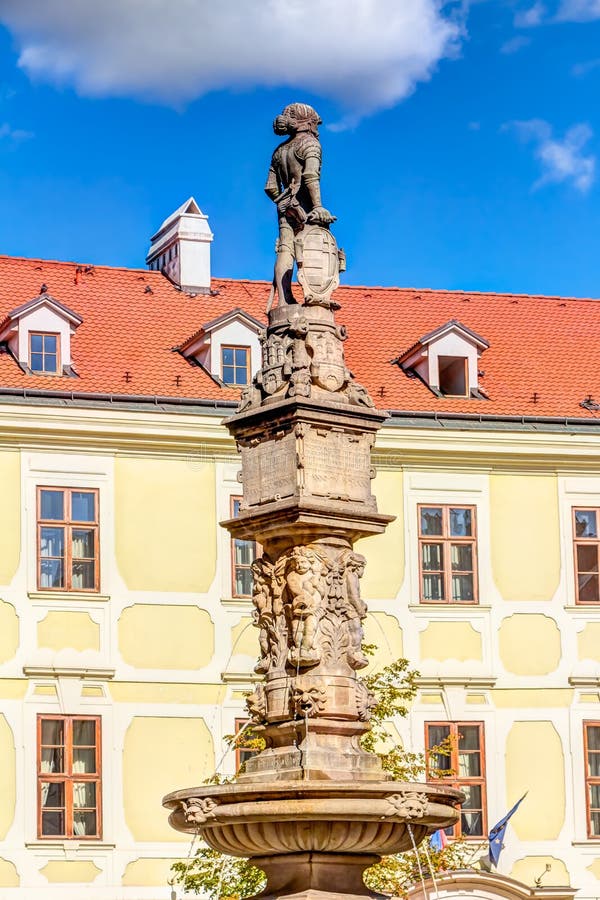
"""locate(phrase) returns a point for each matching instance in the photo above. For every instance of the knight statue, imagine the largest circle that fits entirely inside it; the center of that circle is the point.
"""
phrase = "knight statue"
(294, 185)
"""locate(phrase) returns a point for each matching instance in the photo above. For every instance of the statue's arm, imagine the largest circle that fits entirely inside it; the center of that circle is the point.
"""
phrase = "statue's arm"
(312, 180)
(272, 189)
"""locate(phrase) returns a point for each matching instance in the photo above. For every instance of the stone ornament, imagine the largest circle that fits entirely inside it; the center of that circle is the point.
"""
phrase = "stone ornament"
(365, 701)
(410, 804)
(198, 810)
(308, 697)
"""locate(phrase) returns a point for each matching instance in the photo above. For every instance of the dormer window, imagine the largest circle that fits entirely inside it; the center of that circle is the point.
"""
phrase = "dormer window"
(453, 376)
(235, 366)
(38, 336)
(44, 353)
(447, 360)
(228, 348)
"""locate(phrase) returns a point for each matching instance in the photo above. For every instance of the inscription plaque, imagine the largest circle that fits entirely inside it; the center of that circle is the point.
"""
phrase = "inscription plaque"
(337, 465)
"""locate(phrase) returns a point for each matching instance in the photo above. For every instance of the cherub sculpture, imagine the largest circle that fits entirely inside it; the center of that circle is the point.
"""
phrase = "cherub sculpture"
(294, 185)
(304, 589)
(263, 611)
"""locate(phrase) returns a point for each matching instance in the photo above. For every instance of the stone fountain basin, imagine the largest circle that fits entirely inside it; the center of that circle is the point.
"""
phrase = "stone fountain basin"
(326, 817)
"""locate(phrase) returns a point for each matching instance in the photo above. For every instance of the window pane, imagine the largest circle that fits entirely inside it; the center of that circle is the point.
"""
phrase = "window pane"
(37, 362)
(244, 552)
(461, 556)
(83, 543)
(469, 765)
(83, 506)
(594, 764)
(468, 737)
(595, 821)
(593, 737)
(595, 796)
(84, 762)
(52, 732)
(227, 356)
(431, 521)
(472, 796)
(84, 794)
(50, 362)
(462, 589)
(243, 582)
(52, 505)
(84, 823)
(587, 557)
(431, 555)
(228, 375)
(36, 342)
(52, 541)
(236, 508)
(52, 760)
(241, 357)
(53, 823)
(460, 522)
(588, 588)
(83, 576)
(49, 343)
(51, 573)
(433, 587)
(53, 794)
(241, 376)
(84, 733)
(436, 734)
(585, 523)
(471, 823)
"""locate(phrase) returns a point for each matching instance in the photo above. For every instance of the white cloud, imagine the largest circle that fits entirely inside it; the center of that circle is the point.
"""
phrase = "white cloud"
(7, 132)
(578, 10)
(366, 55)
(514, 44)
(583, 68)
(529, 18)
(562, 160)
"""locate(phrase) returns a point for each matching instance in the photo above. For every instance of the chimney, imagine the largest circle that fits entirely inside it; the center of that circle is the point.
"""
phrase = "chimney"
(180, 249)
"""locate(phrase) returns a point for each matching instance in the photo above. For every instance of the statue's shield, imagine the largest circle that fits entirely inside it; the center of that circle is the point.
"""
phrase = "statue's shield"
(318, 263)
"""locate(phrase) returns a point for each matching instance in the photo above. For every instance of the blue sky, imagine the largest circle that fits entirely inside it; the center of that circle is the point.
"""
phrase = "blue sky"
(462, 153)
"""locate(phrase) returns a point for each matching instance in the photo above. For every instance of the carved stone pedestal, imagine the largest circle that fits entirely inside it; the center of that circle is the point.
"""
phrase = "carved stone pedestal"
(317, 876)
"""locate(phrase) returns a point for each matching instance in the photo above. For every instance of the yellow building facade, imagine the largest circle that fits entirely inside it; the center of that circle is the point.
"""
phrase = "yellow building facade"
(163, 652)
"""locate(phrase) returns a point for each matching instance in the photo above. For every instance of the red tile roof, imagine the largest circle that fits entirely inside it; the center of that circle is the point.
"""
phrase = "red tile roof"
(547, 347)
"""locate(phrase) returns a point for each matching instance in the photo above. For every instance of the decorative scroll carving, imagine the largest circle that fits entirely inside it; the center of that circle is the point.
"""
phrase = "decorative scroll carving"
(365, 701)
(309, 697)
(198, 810)
(411, 804)
(256, 704)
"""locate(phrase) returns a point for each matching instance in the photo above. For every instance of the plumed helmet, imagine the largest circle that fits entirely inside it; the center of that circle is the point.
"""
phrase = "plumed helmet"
(297, 117)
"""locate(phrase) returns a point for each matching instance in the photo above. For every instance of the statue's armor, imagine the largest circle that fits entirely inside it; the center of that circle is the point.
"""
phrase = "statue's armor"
(288, 163)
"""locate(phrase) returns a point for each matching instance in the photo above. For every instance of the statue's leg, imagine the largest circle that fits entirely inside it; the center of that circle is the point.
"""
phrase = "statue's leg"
(284, 264)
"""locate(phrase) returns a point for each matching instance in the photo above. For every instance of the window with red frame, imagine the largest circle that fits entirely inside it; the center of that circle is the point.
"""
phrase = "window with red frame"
(591, 744)
(67, 540)
(243, 554)
(447, 554)
(242, 754)
(466, 762)
(69, 777)
(586, 548)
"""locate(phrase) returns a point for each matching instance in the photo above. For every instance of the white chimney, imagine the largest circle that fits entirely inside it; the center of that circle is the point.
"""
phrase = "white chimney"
(181, 248)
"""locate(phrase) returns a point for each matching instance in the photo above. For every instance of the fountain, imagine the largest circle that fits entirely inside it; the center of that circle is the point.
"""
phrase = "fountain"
(313, 809)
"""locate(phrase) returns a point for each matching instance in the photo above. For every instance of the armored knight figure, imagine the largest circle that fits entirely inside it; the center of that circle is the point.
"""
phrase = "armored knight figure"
(294, 185)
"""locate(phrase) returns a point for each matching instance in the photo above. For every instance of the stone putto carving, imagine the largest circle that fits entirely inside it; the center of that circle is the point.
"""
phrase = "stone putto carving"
(256, 704)
(197, 810)
(304, 595)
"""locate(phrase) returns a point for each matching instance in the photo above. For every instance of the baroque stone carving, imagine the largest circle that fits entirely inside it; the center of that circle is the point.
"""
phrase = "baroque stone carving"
(308, 697)
(365, 701)
(256, 704)
(197, 810)
(410, 804)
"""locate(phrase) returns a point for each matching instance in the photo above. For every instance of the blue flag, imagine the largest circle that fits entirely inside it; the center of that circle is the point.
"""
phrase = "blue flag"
(438, 839)
(496, 835)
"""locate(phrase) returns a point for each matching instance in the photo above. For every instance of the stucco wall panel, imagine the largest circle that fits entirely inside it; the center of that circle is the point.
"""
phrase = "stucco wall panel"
(165, 524)
(384, 572)
(244, 638)
(529, 644)
(588, 642)
(535, 763)
(61, 871)
(385, 632)
(165, 637)
(161, 755)
(7, 777)
(529, 868)
(9, 877)
(450, 640)
(10, 520)
(147, 872)
(9, 631)
(59, 630)
(525, 536)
